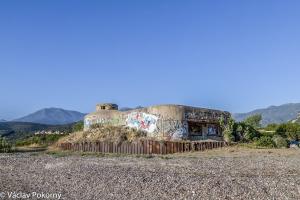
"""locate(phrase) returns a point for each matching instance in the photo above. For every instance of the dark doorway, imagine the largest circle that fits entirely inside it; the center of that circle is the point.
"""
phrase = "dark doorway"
(195, 128)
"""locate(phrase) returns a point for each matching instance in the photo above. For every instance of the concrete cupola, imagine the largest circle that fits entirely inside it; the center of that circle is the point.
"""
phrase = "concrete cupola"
(106, 106)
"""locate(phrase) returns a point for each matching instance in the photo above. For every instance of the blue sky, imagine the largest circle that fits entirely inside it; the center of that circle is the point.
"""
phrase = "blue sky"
(230, 55)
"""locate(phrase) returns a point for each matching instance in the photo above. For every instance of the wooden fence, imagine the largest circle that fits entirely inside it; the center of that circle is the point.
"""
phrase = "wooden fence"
(143, 147)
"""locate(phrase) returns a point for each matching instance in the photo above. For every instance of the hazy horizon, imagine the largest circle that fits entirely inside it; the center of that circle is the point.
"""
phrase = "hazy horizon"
(230, 55)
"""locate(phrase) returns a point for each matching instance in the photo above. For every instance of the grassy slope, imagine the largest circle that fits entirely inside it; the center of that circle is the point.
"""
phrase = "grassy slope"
(19, 130)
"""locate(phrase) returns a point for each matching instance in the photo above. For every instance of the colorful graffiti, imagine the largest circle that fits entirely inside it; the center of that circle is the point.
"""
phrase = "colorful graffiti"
(152, 124)
(111, 121)
(174, 129)
(206, 115)
(171, 129)
(143, 121)
(180, 132)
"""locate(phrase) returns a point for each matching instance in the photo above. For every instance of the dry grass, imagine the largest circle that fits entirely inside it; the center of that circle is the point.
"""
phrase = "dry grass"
(241, 151)
(104, 133)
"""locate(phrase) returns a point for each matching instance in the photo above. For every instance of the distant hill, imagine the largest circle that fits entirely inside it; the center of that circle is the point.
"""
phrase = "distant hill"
(52, 116)
(19, 130)
(273, 114)
(2, 120)
(297, 120)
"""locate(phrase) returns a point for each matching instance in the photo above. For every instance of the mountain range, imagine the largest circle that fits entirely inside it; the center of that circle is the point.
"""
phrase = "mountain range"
(54, 119)
(58, 116)
(273, 114)
(52, 116)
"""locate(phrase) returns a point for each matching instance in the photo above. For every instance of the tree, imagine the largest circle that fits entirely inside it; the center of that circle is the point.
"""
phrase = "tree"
(271, 127)
(290, 131)
(265, 141)
(238, 131)
(78, 126)
(254, 121)
(228, 130)
(4, 146)
(279, 141)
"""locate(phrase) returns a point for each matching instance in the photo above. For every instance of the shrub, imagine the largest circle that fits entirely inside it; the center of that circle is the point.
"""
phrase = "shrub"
(265, 141)
(228, 136)
(280, 142)
(250, 133)
(228, 129)
(290, 131)
(5, 147)
(239, 131)
(271, 127)
(293, 135)
(40, 140)
(78, 126)
(254, 121)
(244, 132)
(99, 132)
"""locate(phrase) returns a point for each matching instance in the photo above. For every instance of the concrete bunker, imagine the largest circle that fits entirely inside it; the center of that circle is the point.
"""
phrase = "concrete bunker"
(163, 121)
(106, 106)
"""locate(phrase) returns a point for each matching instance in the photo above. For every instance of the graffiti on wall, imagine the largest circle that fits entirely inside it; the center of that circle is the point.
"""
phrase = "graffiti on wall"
(174, 129)
(170, 129)
(206, 115)
(87, 123)
(142, 121)
(112, 121)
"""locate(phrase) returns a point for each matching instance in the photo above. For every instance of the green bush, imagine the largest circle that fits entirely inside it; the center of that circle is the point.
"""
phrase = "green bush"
(244, 132)
(291, 131)
(5, 147)
(40, 140)
(250, 133)
(271, 127)
(254, 121)
(228, 129)
(280, 142)
(274, 135)
(265, 141)
(78, 126)
(228, 136)
(267, 133)
(239, 131)
(293, 135)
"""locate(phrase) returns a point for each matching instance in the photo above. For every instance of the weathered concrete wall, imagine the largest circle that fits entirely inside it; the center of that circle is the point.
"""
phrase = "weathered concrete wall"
(205, 115)
(113, 117)
(106, 106)
(163, 121)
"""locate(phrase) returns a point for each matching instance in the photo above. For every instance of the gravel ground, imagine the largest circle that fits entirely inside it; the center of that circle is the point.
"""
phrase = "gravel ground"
(231, 173)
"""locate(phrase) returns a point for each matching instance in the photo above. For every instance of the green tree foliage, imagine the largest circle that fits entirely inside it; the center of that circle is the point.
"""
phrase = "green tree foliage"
(291, 131)
(254, 121)
(265, 141)
(280, 142)
(275, 135)
(238, 131)
(4, 146)
(245, 132)
(78, 126)
(43, 140)
(271, 127)
(228, 129)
